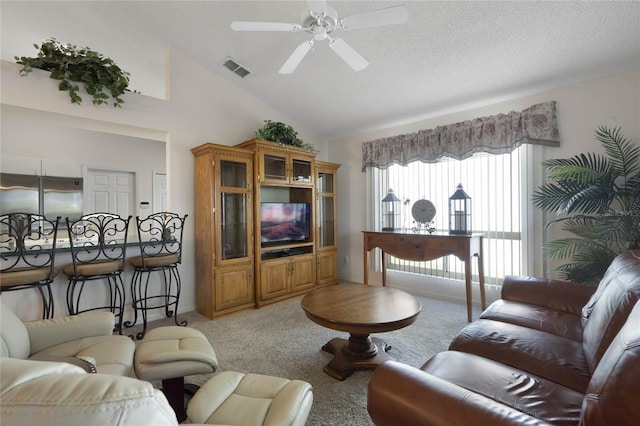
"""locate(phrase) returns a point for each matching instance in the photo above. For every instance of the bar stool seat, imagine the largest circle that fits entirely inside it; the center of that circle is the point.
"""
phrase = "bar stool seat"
(26, 276)
(102, 267)
(159, 261)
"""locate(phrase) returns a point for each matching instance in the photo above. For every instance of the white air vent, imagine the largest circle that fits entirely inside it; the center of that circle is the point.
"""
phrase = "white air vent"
(235, 67)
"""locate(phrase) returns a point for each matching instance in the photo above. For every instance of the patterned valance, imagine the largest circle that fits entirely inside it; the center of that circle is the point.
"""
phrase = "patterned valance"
(496, 134)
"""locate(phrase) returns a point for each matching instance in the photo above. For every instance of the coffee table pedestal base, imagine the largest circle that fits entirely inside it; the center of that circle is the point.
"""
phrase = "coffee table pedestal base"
(360, 352)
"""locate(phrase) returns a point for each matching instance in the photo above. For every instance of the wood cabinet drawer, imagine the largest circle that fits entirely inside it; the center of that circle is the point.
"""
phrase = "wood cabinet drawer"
(442, 243)
(409, 247)
(385, 242)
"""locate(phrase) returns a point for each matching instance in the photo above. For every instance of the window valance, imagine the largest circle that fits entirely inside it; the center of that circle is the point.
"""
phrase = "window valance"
(495, 134)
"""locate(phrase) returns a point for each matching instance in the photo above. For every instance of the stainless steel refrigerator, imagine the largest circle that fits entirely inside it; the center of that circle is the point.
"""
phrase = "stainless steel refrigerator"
(19, 193)
(46, 195)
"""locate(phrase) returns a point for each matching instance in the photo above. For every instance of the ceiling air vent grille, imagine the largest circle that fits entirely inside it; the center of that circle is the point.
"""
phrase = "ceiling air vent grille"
(233, 66)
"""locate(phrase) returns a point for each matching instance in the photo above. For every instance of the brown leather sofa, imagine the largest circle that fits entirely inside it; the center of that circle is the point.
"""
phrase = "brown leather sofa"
(548, 352)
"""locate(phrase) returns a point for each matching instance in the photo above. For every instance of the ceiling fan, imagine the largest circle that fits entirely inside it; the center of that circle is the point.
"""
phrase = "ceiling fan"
(321, 22)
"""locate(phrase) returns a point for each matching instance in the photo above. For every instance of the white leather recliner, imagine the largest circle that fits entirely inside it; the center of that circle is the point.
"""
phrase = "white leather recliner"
(86, 337)
(57, 393)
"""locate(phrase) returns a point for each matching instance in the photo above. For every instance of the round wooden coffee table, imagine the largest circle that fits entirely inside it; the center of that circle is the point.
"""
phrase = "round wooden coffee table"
(360, 310)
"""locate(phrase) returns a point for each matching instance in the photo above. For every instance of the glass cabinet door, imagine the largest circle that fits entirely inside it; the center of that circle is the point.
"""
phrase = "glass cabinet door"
(275, 167)
(234, 213)
(301, 171)
(325, 182)
(326, 222)
(233, 174)
(233, 226)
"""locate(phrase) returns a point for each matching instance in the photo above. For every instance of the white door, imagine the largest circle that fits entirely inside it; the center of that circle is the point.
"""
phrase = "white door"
(159, 192)
(111, 192)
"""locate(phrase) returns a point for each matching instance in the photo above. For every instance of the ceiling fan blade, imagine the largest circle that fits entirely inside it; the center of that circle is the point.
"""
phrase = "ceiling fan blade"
(317, 7)
(350, 56)
(376, 18)
(263, 26)
(296, 57)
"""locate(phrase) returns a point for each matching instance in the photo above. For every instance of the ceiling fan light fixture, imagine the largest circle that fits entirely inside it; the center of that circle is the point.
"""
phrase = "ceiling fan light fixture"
(321, 21)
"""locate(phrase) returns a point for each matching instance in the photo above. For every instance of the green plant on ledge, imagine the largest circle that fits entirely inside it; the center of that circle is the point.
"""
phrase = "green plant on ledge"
(275, 131)
(100, 76)
(597, 198)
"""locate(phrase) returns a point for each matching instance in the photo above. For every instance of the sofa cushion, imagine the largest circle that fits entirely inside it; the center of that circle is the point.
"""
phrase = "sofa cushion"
(610, 305)
(543, 354)
(521, 390)
(612, 397)
(537, 317)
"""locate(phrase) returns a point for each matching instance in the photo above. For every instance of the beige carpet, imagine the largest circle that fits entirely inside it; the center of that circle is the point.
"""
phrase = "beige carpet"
(279, 340)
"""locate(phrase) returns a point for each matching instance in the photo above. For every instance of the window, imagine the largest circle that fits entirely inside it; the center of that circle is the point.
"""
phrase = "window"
(499, 187)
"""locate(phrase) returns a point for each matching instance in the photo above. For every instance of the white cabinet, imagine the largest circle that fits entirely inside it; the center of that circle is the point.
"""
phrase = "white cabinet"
(40, 166)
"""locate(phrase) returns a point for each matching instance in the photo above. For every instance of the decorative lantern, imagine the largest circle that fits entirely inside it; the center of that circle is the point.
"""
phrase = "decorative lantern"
(390, 212)
(460, 212)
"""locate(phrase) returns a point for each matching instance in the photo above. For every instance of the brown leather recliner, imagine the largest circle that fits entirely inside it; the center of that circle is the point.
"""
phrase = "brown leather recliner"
(548, 352)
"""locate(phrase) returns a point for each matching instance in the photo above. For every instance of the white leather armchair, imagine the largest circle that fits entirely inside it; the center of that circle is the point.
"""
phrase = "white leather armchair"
(57, 393)
(86, 336)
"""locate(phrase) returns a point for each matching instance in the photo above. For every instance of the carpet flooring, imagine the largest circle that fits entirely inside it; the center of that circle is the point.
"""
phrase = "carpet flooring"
(279, 340)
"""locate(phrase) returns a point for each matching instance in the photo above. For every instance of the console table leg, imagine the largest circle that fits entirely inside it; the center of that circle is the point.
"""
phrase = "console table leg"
(467, 281)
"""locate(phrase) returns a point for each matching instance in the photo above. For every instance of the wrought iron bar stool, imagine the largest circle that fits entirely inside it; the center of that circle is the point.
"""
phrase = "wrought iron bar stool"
(160, 239)
(27, 250)
(98, 248)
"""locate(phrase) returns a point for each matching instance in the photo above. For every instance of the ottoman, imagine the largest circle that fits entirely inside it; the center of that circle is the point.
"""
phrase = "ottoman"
(233, 398)
(171, 353)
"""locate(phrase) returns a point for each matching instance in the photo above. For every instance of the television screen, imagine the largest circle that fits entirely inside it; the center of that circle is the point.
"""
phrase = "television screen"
(284, 222)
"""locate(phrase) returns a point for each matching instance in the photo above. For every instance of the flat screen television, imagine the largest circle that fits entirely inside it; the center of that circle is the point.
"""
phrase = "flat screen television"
(283, 223)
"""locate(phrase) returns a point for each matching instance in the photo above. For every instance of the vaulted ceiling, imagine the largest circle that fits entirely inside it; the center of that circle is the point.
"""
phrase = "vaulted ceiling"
(448, 56)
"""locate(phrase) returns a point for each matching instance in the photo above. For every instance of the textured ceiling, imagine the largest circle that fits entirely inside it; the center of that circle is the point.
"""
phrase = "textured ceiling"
(448, 56)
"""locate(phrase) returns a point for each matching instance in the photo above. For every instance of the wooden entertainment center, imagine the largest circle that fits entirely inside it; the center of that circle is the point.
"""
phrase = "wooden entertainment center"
(238, 266)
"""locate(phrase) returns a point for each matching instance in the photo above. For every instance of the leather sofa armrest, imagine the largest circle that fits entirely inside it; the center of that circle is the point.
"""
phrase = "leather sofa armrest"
(553, 294)
(50, 332)
(399, 394)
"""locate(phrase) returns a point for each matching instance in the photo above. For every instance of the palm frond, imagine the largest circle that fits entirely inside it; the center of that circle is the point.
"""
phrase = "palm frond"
(582, 169)
(590, 199)
(624, 155)
(587, 270)
(570, 247)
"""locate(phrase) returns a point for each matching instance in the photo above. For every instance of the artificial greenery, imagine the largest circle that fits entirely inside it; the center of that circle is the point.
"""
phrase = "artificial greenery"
(597, 198)
(275, 131)
(100, 76)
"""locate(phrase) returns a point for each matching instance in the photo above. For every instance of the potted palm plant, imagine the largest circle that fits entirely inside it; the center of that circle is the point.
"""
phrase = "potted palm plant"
(597, 199)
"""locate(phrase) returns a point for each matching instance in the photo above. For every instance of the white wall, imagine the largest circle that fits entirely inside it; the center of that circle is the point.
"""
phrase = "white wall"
(581, 108)
(201, 107)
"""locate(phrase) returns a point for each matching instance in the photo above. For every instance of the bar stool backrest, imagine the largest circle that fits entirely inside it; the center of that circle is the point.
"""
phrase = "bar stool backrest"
(160, 234)
(98, 237)
(27, 241)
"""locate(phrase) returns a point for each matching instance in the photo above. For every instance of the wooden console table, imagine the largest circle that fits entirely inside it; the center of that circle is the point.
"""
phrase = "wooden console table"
(422, 247)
